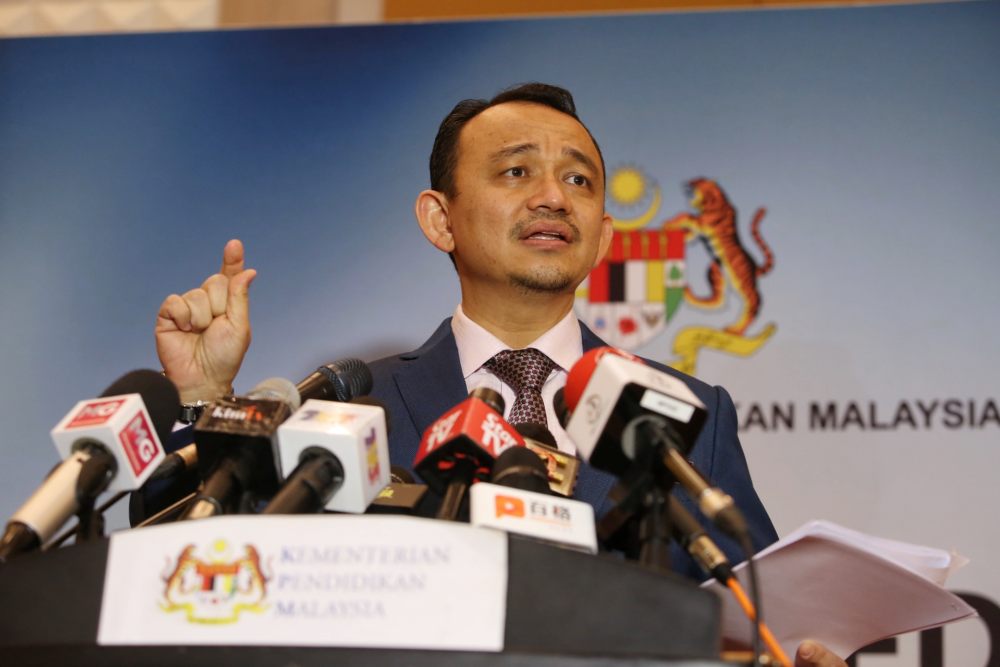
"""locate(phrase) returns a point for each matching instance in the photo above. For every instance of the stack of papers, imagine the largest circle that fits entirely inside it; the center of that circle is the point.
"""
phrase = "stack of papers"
(845, 589)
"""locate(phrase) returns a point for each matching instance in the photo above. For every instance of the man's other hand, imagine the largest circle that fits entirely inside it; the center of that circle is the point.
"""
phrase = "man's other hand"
(203, 334)
(814, 654)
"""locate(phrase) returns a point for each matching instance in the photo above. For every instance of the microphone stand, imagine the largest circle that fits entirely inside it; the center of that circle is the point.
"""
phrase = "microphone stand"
(643, 496)
(454, 505)
(95, 475)
(171, 513)
(660, 441)
(654, 531)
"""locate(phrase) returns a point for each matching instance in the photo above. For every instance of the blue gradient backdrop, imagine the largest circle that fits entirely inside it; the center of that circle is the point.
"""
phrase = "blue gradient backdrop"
(871, 134)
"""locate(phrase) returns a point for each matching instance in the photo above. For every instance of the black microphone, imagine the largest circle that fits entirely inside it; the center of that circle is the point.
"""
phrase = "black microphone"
(112, 442)
(519, 499)
(340, 380)
(521, 468)
(235, 437)
(339, 456)
(176, 463)
(614, 407)
(693, 539)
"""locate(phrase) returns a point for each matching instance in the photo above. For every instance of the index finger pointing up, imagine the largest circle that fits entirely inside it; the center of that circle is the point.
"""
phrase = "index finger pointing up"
(232, 258)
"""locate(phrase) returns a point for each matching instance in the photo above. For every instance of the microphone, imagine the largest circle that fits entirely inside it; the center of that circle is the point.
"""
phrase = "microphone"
(235, 437)
(402, 496)
(461, 446)
(340, 456)
(521, 468)
(112, 442)
(605, 390)
(339, 380)
(231, 424)
(518, 500)
(693, 539)
(177, 463)
(562, 468)
(611, 399)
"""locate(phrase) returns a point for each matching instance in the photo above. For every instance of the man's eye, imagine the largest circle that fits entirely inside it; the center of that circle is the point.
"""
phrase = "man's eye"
(578, 179)
(516, 172)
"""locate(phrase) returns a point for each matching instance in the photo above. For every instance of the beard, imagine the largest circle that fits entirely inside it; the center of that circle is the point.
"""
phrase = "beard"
(543, 280)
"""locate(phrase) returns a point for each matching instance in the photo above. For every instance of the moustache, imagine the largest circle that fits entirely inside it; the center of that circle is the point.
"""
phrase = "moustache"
(519, 229)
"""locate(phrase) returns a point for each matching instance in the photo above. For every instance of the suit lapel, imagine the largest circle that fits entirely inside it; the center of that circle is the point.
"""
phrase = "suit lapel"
(431, 383)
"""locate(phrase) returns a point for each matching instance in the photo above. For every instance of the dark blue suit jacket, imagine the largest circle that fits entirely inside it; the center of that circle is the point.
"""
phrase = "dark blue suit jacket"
(420, 386)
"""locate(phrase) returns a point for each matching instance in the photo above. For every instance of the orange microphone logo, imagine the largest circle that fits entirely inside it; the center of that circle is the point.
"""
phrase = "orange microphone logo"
(508, 506)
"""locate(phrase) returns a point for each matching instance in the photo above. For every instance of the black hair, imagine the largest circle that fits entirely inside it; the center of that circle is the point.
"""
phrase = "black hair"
(444, 155)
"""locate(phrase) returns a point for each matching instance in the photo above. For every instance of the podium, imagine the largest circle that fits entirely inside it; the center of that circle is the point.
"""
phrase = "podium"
(564, 609)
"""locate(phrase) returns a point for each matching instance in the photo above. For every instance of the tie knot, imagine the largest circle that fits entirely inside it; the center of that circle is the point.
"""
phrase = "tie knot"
(525, 369)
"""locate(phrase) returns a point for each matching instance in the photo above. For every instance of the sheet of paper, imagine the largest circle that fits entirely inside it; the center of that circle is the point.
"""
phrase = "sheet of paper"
(933, 564)
(844, 589)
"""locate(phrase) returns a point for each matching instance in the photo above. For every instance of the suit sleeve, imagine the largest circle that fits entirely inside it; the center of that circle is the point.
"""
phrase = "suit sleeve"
(728, 470)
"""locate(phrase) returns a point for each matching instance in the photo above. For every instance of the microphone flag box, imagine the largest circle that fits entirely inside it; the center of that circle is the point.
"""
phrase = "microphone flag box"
(247, 426)
(620, 390)
(472, 430)
(353, 432)
(120, 425)
(562, 468)
(559, 521)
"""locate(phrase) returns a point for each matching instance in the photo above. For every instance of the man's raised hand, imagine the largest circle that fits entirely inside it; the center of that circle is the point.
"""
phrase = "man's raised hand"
(203, 334)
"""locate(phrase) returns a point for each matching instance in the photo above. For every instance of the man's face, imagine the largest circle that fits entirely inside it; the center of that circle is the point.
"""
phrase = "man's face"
(529, 205)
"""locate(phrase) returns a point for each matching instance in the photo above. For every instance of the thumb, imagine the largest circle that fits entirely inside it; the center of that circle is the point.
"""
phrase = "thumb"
(238, 300)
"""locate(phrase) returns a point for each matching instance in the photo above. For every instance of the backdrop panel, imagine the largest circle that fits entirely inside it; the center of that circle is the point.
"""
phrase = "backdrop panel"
(865, 141)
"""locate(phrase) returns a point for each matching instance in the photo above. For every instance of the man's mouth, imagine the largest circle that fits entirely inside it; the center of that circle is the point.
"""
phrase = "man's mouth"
(548, 231)
(548, 236)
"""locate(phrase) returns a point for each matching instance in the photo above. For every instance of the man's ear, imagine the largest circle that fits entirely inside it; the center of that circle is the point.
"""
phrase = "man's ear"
(431, 209)
(607, 231)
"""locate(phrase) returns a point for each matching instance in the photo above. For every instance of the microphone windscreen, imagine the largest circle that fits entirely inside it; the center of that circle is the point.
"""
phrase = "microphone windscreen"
(536, 432)
(490, 397)
(277, 389)
(350, 378)
(521, 468)
(159, 395)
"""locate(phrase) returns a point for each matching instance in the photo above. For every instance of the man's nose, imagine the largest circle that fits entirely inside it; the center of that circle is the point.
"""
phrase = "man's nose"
(551, 194)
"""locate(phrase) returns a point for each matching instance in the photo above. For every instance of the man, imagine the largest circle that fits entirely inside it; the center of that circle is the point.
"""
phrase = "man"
(517, 201)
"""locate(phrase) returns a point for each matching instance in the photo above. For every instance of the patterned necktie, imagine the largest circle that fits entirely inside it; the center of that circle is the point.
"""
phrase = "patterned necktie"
(525, 371)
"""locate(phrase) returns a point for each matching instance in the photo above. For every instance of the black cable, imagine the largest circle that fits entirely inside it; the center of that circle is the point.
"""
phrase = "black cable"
(754, 597)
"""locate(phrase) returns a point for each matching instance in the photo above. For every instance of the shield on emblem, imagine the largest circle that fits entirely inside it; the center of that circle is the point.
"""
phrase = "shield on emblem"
(629, 298)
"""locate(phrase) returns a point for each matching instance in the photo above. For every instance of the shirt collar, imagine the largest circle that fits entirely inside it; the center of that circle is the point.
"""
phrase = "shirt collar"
(563, 343)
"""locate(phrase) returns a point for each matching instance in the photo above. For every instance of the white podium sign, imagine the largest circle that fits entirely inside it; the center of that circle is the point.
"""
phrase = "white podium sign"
(381, 582)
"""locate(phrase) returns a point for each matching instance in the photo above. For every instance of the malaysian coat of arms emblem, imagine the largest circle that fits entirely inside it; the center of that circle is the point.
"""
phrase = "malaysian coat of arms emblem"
(215, 585)
(632, 295)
